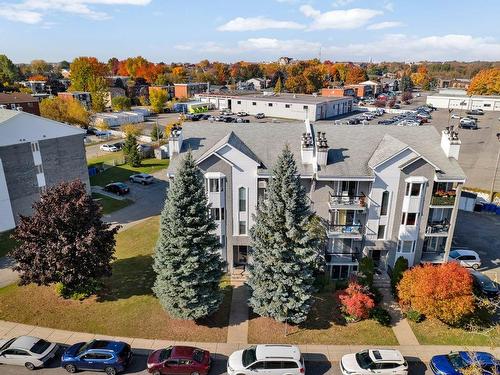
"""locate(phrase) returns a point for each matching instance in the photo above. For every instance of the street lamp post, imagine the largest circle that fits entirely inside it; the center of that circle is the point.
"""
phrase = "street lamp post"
(495, 171)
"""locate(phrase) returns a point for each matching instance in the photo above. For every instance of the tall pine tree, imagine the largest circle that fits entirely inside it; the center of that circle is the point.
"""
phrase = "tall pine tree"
(187, 260)
(286, 252)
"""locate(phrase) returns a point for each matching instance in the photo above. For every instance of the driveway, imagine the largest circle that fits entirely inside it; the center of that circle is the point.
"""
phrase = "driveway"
(480, 231)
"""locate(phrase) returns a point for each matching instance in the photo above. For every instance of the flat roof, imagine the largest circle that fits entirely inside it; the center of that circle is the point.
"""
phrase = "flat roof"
(451, 95)
(283, 98)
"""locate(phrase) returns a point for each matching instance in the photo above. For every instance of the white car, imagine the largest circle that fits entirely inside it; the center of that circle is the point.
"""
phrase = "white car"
(465, 257)
(28, 351)
(266, 359)
(454, 115)
(108, 147)
(374, 361)
(142, 178)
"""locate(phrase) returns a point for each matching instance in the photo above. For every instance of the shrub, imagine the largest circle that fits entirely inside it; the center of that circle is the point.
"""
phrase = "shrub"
(323, 282)
(400, 267)
(414, 316)
(381, 315)
(78, 294)
(367, 270)
(121, 103)
(443, 292)
(356, 301)
(377, 296)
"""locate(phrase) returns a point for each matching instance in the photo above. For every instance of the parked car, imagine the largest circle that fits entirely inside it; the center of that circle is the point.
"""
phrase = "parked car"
(455, 363)
(102, 133)
(465, 257)
(142, 178)
(109, 147)
(111, 357)
(118, 188)
(242, 120)
(475, 112)
(379, 361)
(179, 360)
(118, 145)
(260, 116)
(242, 114)
(454, 115)
(266, 359)
(484, 285)
(467, 123)
(28, 351)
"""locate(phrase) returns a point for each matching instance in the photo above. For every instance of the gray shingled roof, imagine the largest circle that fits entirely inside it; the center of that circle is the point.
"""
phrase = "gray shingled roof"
(233, 140)
(387, 147)
(350, 147)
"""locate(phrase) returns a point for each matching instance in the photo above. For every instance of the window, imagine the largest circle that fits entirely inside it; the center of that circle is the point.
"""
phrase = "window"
(269, 104)
(415, 190)
(385, 203)
(222, 213)
(215, 213)
(411, 218)
(258, 366)
(486, 105)
(306, 107)
(242, 194)
(273, 364)
(407, 191)
(287, 105)
(238, 102)
(406, 246)
(290, 364)
(214, 185)
(30, 104)
(242, 227)
(381, 232)
(254, 103)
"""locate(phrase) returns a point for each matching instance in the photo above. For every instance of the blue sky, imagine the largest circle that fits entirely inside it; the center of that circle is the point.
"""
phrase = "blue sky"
(254, 30)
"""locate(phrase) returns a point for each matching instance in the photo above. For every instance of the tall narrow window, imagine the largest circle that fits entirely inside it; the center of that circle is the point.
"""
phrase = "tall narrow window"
(242, 227)
(385, 203)
(381, 232)
(415, 189)
(214, 185)
(242, 194)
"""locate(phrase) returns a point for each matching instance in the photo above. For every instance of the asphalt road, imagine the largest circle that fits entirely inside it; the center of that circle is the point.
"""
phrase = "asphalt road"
(218, 368)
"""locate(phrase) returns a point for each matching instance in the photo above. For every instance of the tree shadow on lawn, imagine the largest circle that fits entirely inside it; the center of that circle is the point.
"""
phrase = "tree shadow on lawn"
(131, 277)
(220, 318)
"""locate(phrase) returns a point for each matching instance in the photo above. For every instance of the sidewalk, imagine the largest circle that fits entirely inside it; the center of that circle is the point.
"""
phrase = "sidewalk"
(319, 353)
(237, 331)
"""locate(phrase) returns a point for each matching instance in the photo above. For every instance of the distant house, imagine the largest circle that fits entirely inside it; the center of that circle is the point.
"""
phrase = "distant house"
(20, 101)
(376, 86)
(83, 97)
(389, 84)
(257, 83)
(35, 153)
(359, 91)
(65, 73)
(457, 83)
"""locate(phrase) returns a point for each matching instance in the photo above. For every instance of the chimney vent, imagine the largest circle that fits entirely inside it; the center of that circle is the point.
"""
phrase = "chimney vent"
(175, 140)
(321, 149)
(450, 143)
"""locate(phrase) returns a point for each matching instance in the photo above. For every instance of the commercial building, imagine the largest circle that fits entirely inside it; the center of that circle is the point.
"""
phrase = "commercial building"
(188, 90)
(380, 191)
(287, 106)
(20, 101)
(35, 153)
(458, 99)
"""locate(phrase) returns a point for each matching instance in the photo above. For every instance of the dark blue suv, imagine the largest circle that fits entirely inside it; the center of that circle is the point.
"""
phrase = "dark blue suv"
(111, 357)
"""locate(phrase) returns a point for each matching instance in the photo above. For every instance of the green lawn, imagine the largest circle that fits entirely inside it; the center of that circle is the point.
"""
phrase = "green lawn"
(126, 307)
(435, 332)
(109, 204)
(122, 172)
(323, 326)
(6, 243)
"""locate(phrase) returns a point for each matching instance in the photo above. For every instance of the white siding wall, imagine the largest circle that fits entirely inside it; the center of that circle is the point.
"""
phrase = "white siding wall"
(6, 216)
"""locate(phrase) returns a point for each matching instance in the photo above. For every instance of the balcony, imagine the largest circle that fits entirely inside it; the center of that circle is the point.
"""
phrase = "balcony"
(443, 198)
(438, 228)
(341, 258)
(347, 202)
(345, 231)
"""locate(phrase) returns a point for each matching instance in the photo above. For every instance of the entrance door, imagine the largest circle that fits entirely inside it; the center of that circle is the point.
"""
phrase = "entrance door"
(240, 255)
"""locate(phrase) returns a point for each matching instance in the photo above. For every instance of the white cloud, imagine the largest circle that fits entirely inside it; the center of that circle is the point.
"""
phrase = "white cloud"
(339, 19)
(258, 23)
(33, 11)
(342, 3)
(384, 25)
(272, 44)
(401, 47)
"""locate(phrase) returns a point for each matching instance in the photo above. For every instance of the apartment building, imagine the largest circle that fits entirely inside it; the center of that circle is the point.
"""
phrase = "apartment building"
(20, 101)
(35, 153)
(381, 191)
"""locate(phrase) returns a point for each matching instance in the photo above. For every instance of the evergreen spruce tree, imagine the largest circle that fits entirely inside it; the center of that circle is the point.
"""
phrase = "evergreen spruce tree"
(187, 260)
(278, 87)
(285, 250)
(132, 154)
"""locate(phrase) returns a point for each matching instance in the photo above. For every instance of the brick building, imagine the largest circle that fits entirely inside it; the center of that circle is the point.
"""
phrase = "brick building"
(25, 102)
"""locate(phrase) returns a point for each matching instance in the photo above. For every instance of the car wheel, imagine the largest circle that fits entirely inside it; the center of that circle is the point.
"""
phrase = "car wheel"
(110, 371)
(157, 372)
(70, 368)
(143, 182)
(475, 266)
(29, 366)
(195, 373)
(131, 180)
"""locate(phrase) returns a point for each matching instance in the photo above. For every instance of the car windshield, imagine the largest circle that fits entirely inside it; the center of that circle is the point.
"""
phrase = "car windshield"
(121, 185)
(165, 354)
(198, 355)
(454, 254)
(249, 356)
(40, 346)
(364, 360)
(456, 360)
(7, 344)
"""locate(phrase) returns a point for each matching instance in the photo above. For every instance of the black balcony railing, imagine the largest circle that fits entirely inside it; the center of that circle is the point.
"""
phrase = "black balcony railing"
(347, 200)
(332, 257)
(349, 229)
(436, 227)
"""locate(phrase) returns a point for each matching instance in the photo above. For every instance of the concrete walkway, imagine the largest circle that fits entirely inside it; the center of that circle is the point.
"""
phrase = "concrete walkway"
(237, 331)
(7, 276)
(318, 353)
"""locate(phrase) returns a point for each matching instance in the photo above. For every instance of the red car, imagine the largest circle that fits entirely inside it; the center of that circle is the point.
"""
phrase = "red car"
(179, 360)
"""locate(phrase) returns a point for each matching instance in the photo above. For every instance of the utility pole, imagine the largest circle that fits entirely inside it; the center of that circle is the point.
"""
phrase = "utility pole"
(495, 170)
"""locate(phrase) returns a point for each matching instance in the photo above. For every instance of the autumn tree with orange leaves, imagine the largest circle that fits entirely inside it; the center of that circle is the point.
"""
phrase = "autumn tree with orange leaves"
(486, 82)
(440, 291)
(355, 74)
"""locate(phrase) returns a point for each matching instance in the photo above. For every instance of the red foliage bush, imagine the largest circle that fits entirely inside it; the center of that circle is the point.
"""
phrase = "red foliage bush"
(356, 301)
